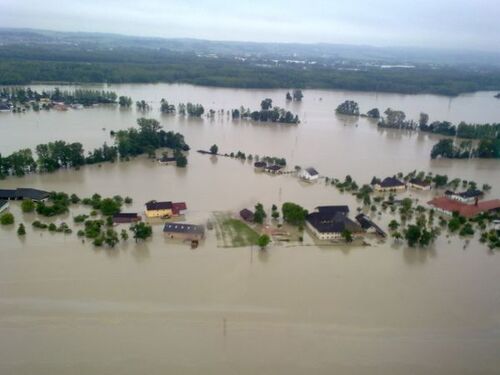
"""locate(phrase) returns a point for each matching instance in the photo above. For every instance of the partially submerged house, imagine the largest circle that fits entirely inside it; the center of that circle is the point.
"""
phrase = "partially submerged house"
(448, 206)
(125, 217)
(166, 160)
(260, 165)
(247, 215)
(369, 226)
(469, 196)
(5, 107)
(185, 232)
(3, 205)
(389, 184)
(329, 222)
(273, 169)
(418, 184)
(24, 193)
(164, 209)
(309, 174)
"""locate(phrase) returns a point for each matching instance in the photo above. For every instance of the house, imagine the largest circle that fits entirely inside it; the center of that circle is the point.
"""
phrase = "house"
(418, 184)
(4, 205)
(124, 218)
(247, 215)
(166, 160)
(368, 225)
(185, 232)
(309, 174)
(164, 209)
(4, 107)
(447, 206)
(389, 184)
(24, 193)
(260, 165)
(328, 222)
(274, 169)
(469, 196)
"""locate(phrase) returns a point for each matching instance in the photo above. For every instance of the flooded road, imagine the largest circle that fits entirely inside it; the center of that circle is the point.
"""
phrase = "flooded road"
(160, 307)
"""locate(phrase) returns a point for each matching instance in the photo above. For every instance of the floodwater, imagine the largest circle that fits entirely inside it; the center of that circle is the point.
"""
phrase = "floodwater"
(160, 307)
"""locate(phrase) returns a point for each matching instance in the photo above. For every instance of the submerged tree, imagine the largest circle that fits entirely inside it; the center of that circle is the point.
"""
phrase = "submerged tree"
(349, 107)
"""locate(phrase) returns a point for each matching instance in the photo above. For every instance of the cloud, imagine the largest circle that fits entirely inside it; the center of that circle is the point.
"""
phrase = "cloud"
(423, 23)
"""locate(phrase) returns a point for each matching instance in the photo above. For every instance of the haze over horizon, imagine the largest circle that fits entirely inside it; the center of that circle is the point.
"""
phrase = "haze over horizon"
(450, 24)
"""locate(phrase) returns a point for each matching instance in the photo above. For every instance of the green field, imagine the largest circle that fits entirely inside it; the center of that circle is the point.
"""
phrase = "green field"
(232, 232)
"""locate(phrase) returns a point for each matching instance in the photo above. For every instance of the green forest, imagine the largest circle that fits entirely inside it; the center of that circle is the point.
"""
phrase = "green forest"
(28, 64)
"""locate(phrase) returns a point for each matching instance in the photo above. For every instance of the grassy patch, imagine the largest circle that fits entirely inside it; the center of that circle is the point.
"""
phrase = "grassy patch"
(233, 232)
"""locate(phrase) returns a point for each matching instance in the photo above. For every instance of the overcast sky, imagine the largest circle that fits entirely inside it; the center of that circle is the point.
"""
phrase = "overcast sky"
(471, 24)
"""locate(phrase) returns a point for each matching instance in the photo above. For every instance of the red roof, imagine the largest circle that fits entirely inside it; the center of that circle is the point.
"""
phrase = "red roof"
(467, 210)
(178, 206)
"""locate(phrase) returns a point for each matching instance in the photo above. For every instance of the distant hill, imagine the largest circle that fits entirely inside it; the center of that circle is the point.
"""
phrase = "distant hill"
(28, 56)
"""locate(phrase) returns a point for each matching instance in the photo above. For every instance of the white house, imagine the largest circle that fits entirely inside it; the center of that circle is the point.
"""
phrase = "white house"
(469, 196)
(309, 174)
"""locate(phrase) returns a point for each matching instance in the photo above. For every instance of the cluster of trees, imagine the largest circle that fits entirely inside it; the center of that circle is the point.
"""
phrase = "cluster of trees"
(395, 119)
(86, 97)
(448, 148)
(293, 213)
(296, 95)
(349, 107)
(25, 64)
(59, 154)
(193, 110)
(267, 113)
(462, 130)
(125, 101)
(165, 107)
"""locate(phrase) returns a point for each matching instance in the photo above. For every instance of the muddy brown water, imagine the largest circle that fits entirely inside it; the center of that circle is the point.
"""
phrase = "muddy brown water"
(160, 307)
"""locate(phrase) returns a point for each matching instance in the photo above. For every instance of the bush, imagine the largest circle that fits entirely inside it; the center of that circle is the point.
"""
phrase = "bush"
(28, 205)
(7, 219)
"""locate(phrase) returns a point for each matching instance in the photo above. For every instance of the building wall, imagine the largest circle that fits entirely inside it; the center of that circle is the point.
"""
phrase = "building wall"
(159, 213)
(419, 187)
(324, 236)
(183, 236)
(397, 188)
(3, 208)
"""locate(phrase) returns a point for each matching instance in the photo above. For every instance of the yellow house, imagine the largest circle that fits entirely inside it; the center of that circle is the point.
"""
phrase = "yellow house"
(164, 209)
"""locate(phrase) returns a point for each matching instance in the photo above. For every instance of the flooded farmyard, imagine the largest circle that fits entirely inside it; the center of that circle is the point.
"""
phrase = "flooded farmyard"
(159, 306)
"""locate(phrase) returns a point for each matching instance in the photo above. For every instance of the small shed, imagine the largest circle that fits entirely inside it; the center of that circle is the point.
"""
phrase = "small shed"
(247, 215)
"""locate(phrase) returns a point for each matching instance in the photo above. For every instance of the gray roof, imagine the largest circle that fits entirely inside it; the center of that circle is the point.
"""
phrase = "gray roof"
(332, 210)
(154, 205)
(312, 171)
(389, 182)
(183, 228)
(24, 193)
(328, 223)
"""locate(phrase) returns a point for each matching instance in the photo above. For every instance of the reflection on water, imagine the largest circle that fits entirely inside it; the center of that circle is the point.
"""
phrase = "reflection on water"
(159, 307)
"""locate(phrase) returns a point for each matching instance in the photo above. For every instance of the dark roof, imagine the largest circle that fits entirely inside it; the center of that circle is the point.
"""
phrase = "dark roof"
(4, 106)
(417, 181)
(471, 193)
(260, 164)
(327, 223)
(131, 215)
(312, 171)
(154, 205)
(34, 194)
(23, 193)
(389, 182)
(246, 214)
(183, 228)
(367, 223)
(3, 203)
(8, 194)
(332, 210)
